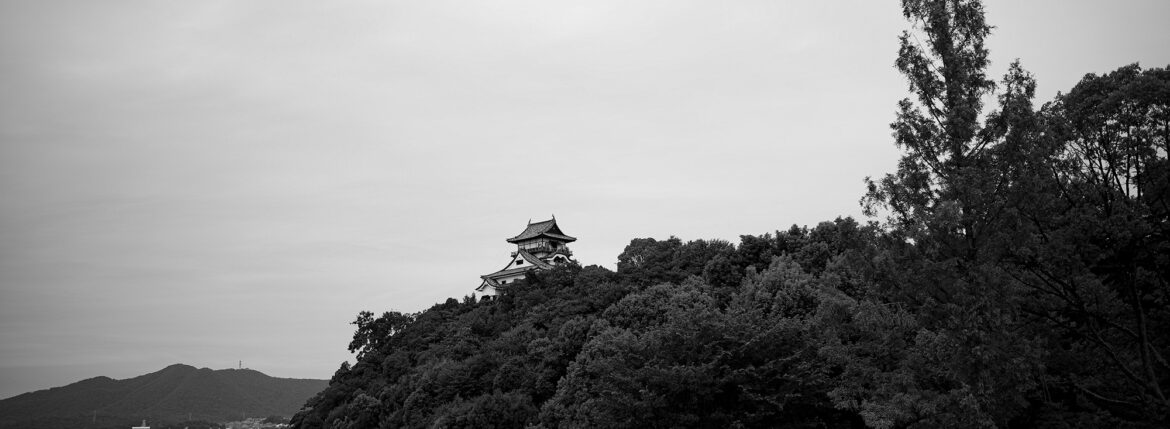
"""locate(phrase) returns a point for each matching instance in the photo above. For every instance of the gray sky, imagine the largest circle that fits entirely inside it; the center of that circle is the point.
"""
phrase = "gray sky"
(212, 181)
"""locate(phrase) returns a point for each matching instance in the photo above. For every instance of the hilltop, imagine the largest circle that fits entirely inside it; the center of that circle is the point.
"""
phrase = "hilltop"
(1020, 278)
(176, 393)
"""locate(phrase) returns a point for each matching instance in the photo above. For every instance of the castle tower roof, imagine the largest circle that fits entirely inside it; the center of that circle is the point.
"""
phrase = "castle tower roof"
(547, 228)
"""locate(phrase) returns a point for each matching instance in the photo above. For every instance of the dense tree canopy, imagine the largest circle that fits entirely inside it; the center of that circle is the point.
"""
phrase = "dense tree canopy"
(1020, 278)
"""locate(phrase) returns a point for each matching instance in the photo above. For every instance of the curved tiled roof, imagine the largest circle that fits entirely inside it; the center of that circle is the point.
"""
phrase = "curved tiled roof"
(487, 282)
(547, 228)
(503, 273)
(532, 259)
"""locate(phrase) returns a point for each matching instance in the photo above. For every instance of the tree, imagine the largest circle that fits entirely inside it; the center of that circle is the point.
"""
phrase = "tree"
(371, 333)
(1038, 234)
(932, 189)
(948, 220)
(1096, 264)
(648, 261)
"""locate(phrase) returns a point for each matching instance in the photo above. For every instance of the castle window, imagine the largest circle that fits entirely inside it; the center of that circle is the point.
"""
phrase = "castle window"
(519, 262)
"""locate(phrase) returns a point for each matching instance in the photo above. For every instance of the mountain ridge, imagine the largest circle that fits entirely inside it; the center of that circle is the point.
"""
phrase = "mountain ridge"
(176, 393)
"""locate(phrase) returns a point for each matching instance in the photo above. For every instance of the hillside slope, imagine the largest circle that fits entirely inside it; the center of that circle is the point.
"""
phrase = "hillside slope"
(176, 393)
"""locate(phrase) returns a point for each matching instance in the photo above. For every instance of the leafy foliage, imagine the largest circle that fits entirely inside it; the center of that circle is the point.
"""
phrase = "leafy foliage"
(586, 346)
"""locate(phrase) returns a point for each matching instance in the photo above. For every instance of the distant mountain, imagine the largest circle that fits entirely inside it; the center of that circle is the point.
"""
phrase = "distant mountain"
(177, 393)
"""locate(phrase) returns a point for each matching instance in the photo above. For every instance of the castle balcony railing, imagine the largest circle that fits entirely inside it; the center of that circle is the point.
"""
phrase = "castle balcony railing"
(546, 249)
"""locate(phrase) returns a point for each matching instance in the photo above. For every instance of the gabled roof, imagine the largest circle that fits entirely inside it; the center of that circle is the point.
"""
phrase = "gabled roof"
(505, 273)
(487, 282)
(547, 228)
(534, 260)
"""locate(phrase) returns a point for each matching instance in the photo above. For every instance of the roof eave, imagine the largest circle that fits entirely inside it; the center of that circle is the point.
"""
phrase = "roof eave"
(561, 237)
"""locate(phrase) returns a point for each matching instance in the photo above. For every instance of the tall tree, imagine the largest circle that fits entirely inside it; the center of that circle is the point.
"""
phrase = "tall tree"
(943, 59)
(949, 217)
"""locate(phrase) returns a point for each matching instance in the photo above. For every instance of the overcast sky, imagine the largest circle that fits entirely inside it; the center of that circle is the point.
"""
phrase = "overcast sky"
(205, 182)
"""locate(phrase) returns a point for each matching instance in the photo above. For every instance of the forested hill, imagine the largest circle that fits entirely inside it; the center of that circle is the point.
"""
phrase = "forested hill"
(175, 394)
(1019, 277)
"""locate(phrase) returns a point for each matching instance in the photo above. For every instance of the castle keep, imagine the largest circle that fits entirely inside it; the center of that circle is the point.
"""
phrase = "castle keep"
(540, 246)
